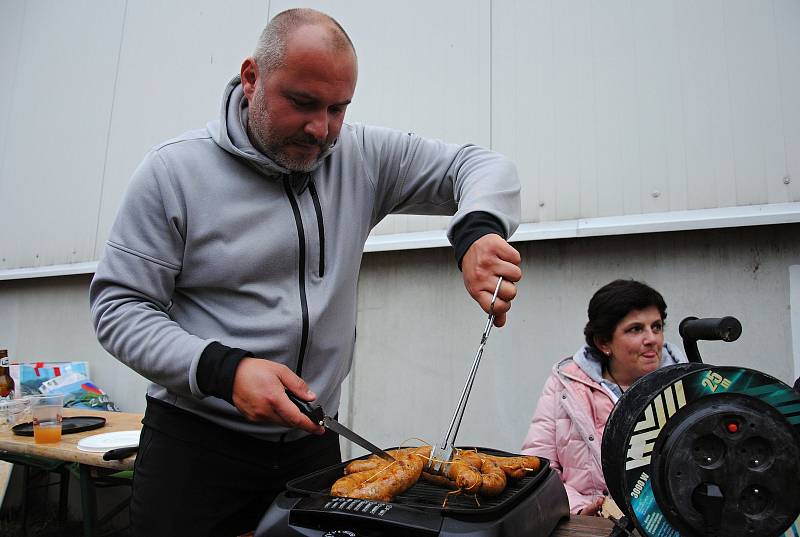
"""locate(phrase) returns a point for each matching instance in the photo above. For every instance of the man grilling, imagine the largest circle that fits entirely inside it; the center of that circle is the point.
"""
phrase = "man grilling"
(230, 273)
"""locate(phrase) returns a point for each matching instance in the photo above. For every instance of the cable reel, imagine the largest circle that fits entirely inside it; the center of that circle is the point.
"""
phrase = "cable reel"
(698, 450)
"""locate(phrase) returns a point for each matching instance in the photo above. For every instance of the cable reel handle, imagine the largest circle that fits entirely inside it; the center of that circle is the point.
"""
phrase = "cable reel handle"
(711, 329)
(693, 330)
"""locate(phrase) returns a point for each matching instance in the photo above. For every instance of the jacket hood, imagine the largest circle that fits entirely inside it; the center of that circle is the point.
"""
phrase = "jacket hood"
(230, 133)
(593, 368)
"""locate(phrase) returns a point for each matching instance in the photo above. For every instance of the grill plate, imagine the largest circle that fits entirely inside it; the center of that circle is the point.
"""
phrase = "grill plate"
(429, 497)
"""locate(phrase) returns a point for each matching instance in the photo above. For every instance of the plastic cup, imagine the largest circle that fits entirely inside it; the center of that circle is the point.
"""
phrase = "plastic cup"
(13, 412)
(46, 411)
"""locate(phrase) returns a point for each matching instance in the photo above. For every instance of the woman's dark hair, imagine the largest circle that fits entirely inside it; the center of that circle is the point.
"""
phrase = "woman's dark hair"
(611, 303)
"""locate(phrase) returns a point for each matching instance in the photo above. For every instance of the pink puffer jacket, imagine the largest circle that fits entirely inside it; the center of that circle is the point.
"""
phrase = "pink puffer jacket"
(567, 428)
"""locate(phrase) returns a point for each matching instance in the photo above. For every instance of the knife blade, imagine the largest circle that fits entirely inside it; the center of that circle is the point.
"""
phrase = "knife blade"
(316, 414)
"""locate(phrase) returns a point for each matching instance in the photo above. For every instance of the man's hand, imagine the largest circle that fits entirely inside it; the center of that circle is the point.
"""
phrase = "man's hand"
(259, 394)
(486, 260)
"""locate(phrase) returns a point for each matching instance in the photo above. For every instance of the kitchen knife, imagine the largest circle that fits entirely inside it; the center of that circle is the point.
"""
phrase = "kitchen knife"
(317, 415)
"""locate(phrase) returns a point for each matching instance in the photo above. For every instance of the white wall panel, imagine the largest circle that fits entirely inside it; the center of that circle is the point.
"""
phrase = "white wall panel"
(617, 167)
(753, 76)
(523, 98)
(13, 13)
(619, 108)
(787, 17)
(608, 108)
(175, 59)
(659, 106)
(575, 147)
(711, 181)
(56, 130)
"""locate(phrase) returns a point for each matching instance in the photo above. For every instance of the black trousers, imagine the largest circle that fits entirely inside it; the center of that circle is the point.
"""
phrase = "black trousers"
(195, 478)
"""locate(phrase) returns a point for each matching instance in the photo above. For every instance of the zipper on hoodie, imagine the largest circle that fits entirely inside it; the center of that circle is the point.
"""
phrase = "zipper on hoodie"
(320, 227)
(301, 237)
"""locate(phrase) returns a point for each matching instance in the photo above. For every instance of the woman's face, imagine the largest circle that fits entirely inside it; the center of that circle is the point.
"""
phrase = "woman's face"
(635, 348)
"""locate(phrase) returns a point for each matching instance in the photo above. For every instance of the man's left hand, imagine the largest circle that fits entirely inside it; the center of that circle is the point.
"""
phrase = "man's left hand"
(486, 260)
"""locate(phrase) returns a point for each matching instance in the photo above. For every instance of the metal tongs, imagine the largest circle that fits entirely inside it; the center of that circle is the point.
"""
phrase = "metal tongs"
(443, 451)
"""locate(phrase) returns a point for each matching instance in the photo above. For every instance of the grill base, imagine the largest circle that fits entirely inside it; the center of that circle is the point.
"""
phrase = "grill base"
(537, 512)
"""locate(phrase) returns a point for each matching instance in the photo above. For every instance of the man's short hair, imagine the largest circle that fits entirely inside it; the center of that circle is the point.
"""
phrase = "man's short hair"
(270, 50)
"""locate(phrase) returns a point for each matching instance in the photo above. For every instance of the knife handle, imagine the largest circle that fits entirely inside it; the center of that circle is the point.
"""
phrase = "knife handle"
(313, 411)
(119, 453)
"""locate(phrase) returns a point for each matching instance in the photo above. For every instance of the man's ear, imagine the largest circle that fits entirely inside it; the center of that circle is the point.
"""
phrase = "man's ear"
(249, 75)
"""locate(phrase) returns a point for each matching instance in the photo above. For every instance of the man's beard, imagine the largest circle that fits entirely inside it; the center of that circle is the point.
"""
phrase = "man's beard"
(273, 146)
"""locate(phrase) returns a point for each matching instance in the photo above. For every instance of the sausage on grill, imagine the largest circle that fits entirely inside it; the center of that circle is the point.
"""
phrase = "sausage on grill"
(515, 467)
(493, 479)
(373, 462)
(385, 481)
(470, 471)
(465, 476)
(344, 485)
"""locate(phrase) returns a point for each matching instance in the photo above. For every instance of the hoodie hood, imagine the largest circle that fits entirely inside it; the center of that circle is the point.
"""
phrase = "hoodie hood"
(591, 365)
(230, 133)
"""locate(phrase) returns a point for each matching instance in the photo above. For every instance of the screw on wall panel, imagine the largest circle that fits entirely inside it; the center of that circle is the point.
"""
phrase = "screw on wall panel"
(541, 204)
(655, 193)
(787, 179)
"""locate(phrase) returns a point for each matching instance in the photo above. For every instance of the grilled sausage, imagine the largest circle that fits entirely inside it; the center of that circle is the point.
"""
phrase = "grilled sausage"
(440, 480)
(515, 467)
(344, 485)
(384, 483)
(471, 457)
(493, 479)
(376, 479)
(465, 476)
(373, 462)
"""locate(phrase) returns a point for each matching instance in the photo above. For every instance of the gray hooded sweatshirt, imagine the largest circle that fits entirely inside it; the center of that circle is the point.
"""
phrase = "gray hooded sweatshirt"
(215, 242)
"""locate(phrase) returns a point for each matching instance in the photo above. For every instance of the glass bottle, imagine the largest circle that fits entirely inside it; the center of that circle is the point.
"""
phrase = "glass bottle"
(6, 382)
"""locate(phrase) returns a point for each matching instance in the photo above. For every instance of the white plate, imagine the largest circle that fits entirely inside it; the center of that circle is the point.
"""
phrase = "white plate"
(100, 443)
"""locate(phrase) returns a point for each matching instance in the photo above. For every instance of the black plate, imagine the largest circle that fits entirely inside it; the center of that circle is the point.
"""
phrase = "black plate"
(74, 424)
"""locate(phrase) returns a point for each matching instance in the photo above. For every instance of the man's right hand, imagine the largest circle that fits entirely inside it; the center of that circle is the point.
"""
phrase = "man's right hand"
(259, 394)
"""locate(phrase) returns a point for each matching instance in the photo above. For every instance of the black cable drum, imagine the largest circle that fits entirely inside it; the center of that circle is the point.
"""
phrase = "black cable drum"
(699, 450)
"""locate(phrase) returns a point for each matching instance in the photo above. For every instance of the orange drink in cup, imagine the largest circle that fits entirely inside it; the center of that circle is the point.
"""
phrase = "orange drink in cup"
(47, 411)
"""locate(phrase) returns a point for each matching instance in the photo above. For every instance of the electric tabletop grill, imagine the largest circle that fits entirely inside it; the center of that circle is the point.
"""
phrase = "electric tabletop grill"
(532, 505)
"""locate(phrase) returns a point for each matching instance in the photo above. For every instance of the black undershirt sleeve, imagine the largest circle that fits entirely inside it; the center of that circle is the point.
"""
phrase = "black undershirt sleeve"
(216, 369)
(471, 228)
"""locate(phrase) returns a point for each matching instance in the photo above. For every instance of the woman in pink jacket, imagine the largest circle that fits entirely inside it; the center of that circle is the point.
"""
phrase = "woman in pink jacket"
(624, 342)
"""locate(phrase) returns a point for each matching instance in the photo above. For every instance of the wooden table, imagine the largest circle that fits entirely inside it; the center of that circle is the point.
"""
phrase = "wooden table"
(584, 526)
(67, 449)
(91, 465)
